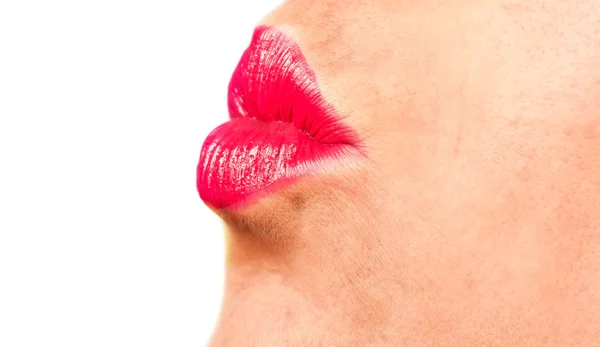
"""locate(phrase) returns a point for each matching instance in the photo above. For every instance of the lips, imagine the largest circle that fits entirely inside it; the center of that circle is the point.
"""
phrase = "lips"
(281, 128)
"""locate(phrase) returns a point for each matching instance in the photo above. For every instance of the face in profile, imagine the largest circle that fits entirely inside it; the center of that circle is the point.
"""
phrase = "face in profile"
(411, 173)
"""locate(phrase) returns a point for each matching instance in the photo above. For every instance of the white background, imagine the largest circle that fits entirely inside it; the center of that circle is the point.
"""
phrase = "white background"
(103, 109)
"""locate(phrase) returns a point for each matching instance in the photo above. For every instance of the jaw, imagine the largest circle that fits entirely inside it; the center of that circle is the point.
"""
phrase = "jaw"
(313, 265)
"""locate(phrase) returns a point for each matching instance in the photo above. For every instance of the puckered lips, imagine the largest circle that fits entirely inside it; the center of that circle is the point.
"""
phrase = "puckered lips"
(280, 129)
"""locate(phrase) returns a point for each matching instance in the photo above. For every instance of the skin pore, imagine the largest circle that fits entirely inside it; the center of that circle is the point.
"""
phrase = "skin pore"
(473, 220)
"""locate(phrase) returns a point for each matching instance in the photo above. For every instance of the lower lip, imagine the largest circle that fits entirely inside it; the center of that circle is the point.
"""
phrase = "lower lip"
(246, 158)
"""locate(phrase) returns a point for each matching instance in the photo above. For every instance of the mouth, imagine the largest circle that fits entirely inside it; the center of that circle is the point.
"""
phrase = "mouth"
(281, 128)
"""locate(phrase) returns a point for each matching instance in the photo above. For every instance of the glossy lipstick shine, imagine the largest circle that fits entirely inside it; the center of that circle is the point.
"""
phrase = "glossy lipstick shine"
(280, 127)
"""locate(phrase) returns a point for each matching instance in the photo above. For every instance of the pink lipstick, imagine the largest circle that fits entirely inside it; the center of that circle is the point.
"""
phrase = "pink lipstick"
(280, 129)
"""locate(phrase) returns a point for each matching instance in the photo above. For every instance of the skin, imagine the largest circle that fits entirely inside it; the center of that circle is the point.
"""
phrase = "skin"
(474, 218)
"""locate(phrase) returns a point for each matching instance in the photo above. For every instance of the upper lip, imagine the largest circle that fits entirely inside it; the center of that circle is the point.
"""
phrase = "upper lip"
(273, 82)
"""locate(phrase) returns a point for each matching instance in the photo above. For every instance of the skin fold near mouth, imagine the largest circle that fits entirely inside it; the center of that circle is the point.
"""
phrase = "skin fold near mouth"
(280, 128)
